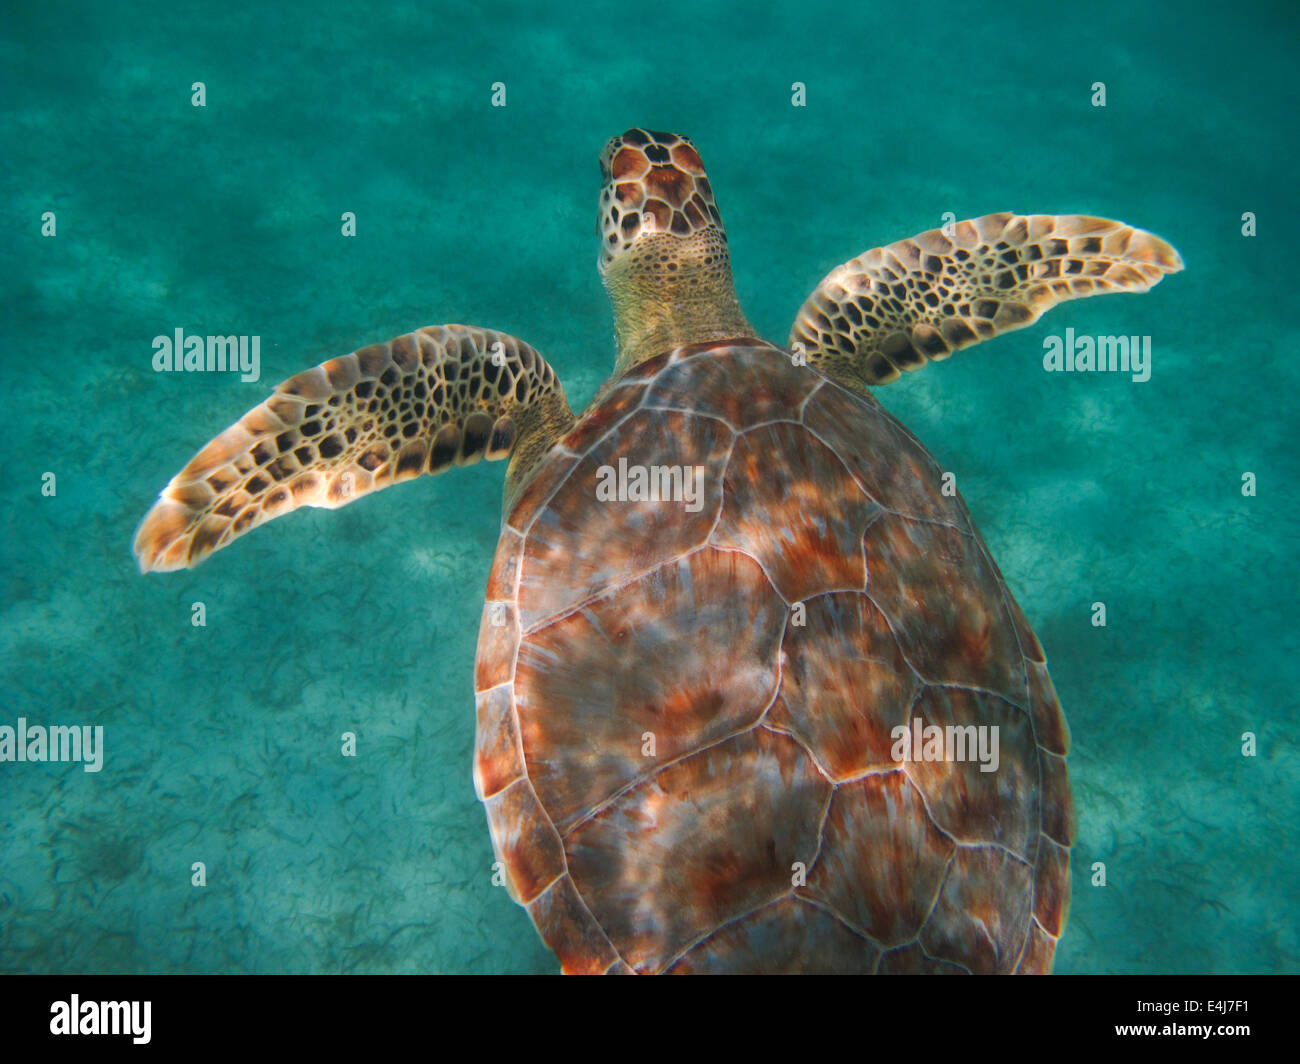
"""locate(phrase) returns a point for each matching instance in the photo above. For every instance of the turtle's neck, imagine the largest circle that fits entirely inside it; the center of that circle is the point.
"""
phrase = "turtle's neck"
(669, 290)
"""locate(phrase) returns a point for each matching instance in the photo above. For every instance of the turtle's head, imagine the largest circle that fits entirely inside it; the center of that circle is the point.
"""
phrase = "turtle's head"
(663, 253)
(655, 184)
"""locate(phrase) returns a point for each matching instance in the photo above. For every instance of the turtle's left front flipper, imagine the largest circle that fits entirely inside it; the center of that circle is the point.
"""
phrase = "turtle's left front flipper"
(438, 397)
(898, 307)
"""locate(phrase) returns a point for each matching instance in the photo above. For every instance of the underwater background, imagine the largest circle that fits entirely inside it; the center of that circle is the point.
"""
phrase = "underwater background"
(222, 742)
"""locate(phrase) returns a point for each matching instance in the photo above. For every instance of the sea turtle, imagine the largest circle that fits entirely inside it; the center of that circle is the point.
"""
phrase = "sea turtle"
(751, 693)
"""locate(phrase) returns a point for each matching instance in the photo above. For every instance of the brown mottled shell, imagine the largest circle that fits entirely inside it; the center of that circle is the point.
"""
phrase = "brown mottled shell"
(684, 772)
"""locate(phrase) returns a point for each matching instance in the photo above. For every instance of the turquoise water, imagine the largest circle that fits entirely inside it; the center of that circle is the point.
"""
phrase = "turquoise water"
(222, 741)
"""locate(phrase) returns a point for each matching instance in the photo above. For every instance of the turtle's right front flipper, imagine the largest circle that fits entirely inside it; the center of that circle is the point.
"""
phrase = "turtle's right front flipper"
(440, 396)
(916, 301)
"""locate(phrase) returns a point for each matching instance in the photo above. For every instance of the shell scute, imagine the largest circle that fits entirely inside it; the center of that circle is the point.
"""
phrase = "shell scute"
(625, 713)
(888, 461)
(983, 912)
(498, 757)
(787, 937)
(845, 685)
(882, 859)
(567, 926)
(774, 507)
(742, 386)
(614, 407)
(943, 599)
(985, 795)
(562, 566)
(1051, 887)
(525, 840)
(706, 840)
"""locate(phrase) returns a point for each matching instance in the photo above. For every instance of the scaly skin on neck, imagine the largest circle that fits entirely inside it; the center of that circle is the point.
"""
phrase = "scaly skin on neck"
(669, 290)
